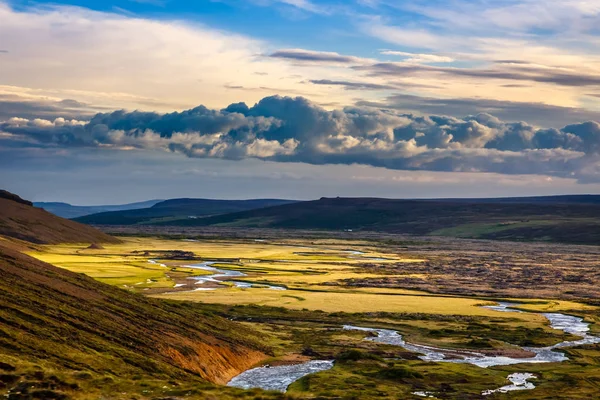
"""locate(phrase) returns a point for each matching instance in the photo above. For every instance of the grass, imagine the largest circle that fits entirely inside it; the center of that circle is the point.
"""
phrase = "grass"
(351, 301)
(370, 370)
(305, 320)
(475, 230)
(65, 335)
(126, 264)
(310, 270)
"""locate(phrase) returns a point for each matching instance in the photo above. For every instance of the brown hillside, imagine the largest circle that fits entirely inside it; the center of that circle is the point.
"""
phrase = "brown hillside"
(22, 221)
(73, 322)
(64, 335)
(11, 196)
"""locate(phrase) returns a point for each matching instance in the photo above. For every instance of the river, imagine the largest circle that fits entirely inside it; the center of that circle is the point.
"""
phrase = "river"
(222, 275)
(280, 377)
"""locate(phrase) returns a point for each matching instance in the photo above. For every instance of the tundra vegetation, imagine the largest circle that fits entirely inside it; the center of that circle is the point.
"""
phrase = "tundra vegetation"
(428, 289)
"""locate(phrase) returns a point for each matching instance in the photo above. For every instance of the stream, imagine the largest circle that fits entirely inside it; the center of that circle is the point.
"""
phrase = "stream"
(566, 323)
(222, 275)
(520, 381)
(278, 378)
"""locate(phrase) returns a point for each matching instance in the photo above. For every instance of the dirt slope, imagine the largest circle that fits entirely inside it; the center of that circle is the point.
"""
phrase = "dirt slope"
(20, 220)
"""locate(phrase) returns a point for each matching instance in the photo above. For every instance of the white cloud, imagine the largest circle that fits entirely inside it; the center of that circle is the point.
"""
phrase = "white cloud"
(114, 60)
(419, 58)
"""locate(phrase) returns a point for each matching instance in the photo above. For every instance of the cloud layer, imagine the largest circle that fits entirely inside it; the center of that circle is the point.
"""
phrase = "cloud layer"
(286, 129)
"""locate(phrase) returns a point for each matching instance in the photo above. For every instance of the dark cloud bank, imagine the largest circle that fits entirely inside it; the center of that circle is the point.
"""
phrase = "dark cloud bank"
(293, 129)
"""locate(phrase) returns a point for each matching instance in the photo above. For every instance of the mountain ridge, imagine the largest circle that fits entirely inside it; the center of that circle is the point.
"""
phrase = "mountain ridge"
(67, 210)
(178, 209)
(559, 220)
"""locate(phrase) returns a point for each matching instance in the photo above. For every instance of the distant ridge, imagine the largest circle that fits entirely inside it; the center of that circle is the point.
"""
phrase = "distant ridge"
(569, 219)
(554, 199)
(67, 210)
(20, 220)
(175, 210)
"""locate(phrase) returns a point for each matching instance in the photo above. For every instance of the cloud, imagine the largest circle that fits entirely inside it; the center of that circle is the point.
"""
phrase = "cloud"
(354, 85)
(362, 85)
(540, 114)
(11, 105)
(286, 129)
(300, 55)
(157, 64)
(419, 58)
(543, 75)
(305, 5)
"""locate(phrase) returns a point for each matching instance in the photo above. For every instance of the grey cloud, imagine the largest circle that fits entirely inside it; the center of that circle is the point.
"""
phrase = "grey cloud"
(535, 113)
(353, 85)
(314, 56)
(289, 129)
(511, 62)
(516, 73)
(514, 85)
(13, 105)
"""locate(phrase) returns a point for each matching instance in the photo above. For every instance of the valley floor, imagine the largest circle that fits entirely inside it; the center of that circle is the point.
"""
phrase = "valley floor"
(299, 290)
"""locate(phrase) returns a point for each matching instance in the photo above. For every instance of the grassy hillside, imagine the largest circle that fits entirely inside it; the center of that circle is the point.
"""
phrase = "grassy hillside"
(104, 338)
(178, 211)
(66, 210)
(537, 220)
(22, 221)
(65, 335)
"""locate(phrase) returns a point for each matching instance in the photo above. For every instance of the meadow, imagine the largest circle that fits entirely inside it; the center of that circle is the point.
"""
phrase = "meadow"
(331, 282)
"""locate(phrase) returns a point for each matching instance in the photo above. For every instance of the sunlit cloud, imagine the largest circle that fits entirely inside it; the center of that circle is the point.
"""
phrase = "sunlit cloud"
(509, 89)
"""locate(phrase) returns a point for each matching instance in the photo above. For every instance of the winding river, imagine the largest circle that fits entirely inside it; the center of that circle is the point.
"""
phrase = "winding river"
(280, 377)
(222, 275)
(519, 381)
(566, 323)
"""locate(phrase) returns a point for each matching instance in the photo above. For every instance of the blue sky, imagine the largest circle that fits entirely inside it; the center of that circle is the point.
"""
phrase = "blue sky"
(375, 97)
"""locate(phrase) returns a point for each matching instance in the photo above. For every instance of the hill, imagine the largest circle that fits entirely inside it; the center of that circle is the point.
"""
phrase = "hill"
(65, 335)
(560, 199)
(13, 197)
(82, 330)
(66, 210)
(540, 219)
(19, 220)
(177, 210)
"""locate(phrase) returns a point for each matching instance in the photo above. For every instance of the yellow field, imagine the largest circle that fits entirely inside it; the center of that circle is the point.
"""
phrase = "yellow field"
(553, 306)
(125, 264)
(309, 271)
(349, 301)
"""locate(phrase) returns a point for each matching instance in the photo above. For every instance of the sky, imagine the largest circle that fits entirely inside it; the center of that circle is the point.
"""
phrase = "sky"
(118, 101)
